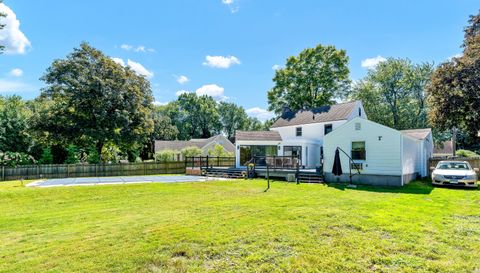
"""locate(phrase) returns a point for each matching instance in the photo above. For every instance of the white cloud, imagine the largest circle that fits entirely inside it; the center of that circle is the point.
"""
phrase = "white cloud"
(180, 92)
(7, 86)
(182, 79)
(126, 47)
(232, 5)
(119, 61)
(137, 67)
(371, 63)
(139, 48)
(458, 55)
(276, 67)
(212, 90)
(11, 36)
(221, 61)
(159, 103)
(16, 72)
(260, 113)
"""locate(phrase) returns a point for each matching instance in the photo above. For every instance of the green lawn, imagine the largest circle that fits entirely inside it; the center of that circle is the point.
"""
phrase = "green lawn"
(234, 226)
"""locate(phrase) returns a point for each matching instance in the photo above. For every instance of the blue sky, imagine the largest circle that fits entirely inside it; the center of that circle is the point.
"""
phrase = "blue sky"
(225, 48)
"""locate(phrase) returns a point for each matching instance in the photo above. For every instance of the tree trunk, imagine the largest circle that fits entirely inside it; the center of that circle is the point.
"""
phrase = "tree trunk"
(100, 148)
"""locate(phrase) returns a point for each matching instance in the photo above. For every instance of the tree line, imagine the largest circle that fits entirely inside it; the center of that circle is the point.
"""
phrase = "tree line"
(93, 109)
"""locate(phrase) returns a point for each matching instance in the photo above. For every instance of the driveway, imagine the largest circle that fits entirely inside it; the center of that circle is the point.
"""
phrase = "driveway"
(91, 181)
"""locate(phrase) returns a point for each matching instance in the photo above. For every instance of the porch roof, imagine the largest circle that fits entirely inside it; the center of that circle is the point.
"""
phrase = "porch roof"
(257, 135)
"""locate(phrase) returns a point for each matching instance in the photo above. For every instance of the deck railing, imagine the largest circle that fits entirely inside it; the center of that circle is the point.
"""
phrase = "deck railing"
(209, 161)
(277, 162)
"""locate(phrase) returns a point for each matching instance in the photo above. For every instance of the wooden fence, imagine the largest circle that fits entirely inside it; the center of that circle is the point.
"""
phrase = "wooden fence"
(474, 161)
(90, 170)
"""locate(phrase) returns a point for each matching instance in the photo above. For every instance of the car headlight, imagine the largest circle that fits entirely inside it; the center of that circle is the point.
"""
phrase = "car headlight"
(471, 177)
(437, 177)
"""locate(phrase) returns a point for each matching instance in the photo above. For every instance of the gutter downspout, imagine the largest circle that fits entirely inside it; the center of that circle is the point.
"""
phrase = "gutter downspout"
(402, 139)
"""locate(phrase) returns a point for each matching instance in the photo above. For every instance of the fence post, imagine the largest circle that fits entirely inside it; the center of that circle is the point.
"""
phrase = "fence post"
(144, 168)
(68, 171)
(218, 161)
(3, 173)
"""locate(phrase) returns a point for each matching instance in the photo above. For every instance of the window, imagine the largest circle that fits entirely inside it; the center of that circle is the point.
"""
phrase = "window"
(327, 128)
(358, 150)
(359, 112)
(292, 151)
(247, 152)
(358, 126)
(299, 131)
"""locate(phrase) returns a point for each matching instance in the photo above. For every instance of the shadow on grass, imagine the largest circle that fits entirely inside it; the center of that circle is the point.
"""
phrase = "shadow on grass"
(414, 187)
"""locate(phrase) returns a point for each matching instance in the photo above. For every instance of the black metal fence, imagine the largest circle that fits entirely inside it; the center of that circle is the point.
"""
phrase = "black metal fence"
(209, 162)
(90, 170)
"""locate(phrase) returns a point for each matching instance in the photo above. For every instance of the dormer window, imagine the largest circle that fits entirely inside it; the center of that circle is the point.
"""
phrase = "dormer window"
(298, 131)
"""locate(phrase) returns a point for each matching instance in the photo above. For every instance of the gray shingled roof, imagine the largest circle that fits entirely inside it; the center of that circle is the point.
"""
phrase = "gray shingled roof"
(258, 135)
(198, 142)
(339, 111)
(417, 133)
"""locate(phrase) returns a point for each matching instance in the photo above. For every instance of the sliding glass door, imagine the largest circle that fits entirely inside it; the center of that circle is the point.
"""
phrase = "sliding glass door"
(248, 152)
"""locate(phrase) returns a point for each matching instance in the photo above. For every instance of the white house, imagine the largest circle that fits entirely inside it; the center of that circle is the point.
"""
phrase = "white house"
(384, 155)
(298, 133)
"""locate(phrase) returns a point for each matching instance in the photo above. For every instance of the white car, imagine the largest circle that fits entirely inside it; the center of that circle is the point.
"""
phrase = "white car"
(454, 173)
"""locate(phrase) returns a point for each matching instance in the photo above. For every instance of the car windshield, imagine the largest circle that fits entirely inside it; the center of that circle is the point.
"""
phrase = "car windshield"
(453, 166)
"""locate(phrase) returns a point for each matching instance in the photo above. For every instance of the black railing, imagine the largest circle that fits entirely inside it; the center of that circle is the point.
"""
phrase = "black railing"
(278, 162)
(352, 164)
(209, 161)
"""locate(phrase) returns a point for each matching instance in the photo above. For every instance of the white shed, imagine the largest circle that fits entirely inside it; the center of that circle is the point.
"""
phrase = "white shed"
(385, 156)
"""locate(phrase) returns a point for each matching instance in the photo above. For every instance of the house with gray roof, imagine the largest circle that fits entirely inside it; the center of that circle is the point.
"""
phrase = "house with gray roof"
(297, 133)
(205, 144)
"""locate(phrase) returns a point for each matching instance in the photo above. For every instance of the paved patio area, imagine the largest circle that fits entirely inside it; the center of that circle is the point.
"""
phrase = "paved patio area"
(91, 181)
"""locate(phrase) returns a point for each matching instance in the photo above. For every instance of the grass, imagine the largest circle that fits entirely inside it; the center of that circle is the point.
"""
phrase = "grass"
(233, 226)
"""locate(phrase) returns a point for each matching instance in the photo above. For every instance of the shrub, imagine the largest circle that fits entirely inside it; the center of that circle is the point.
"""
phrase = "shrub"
(218, 150)
(466, 153)
(92, 156)
(165, 155)
(47, 156)
(191, 151)
(72, 155)
(110, 153)
(13, 159)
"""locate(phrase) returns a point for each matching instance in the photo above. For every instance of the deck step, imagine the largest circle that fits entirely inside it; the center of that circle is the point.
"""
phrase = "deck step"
(224, 173)
(310, 177)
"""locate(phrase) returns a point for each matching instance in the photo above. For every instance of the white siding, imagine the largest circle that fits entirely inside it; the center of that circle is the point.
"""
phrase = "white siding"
(383, 157)
(411, 155)
(312, 132)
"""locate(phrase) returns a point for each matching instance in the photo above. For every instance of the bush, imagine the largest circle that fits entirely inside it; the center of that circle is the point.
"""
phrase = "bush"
(218, 150)
(47, 156)
(92, 156)
(191, 151)
(166, 155)
(111, 153)
(72, 155)
(13, 159)
(466, 153)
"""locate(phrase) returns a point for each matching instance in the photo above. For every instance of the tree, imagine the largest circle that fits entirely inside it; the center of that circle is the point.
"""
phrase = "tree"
(14, 129)
(47, 156)
(191, 151)
(91, 99)
(219, 150)
(393, 93)
(92, 156)
(198, 116)
(233, 118)
(454, 96)
(2, 15)
(312, 79)
(72, 155)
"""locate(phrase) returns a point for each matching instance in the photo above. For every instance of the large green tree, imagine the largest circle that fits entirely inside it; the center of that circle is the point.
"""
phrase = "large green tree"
(194, 116)
(454, 95)
(91, 100)
(313, 78)
(232, 117)
(393, 93)
(14, 129)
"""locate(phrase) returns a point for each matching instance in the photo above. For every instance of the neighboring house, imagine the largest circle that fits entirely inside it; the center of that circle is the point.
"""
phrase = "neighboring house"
(298, 133)
(205, 144)
(384, 155)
